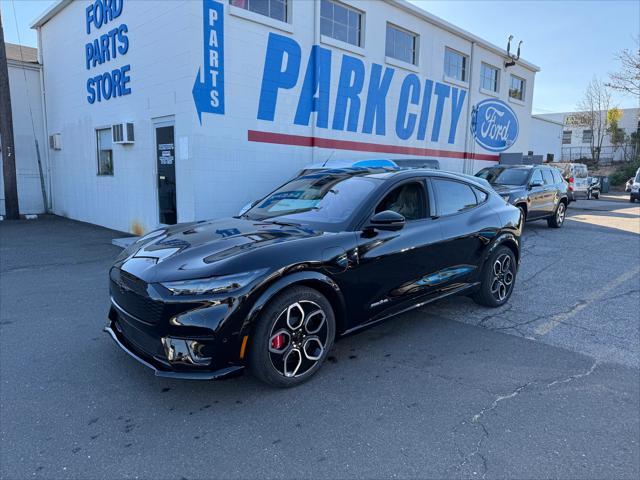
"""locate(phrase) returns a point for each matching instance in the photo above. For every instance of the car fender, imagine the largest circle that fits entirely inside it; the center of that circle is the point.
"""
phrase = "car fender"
(504, 238)
(325, 284)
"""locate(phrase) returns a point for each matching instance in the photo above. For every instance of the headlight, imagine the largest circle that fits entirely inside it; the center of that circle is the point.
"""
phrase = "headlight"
(635, 188)
(212, 285)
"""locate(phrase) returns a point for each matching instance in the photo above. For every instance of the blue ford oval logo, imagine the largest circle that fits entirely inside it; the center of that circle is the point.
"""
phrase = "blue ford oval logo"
(494, 125)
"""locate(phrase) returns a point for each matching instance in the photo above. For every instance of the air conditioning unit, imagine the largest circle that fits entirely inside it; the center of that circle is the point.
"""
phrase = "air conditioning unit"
(122, 133)
(55, 142)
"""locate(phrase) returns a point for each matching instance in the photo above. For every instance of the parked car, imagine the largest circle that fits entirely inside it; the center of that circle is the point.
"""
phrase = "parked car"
(322, 256)
(576, 175)
(539, 191)
(634, 192)
(627, 186)
(593, 190)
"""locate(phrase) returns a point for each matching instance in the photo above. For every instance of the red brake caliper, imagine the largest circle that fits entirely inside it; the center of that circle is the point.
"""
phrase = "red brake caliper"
(277, 342)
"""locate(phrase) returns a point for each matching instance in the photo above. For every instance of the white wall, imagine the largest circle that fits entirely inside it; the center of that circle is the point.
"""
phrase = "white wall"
(24, 82)
(224, 170)
(546, 137)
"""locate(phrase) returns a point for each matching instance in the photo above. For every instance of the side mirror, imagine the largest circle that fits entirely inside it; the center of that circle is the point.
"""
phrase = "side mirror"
(535, 183)
(387, 220)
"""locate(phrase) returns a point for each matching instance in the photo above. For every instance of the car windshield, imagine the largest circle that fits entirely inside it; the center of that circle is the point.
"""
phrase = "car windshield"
(318, 198)
(504, 176)
(638, 177)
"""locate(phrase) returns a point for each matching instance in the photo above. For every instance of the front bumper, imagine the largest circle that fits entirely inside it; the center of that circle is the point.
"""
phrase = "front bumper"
(163, 369)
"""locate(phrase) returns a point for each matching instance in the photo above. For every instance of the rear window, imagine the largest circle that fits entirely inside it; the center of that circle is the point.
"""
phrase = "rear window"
(580, 171)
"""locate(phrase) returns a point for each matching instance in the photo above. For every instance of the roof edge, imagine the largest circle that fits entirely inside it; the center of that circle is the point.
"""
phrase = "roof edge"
(403, 4)
(49, 13)
(439, 22)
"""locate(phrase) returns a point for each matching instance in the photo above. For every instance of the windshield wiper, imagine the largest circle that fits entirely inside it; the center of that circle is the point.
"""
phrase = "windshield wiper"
(284, 224)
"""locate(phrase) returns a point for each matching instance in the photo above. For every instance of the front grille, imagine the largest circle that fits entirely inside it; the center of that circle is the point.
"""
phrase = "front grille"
(139, 339)
(130, 293)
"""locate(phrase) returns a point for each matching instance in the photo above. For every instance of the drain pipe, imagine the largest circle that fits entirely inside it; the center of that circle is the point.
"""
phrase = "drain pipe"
(469, 144)
(316, 41)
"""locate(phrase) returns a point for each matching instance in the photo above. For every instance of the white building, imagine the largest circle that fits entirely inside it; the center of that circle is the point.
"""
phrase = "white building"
(28, 126)
(576, 141)
(226, 100)
(546, 137)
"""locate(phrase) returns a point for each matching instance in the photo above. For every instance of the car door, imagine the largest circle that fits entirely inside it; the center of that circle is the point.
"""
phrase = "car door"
(391, 264)
(536, 205)
(551, 191)
(467, 229)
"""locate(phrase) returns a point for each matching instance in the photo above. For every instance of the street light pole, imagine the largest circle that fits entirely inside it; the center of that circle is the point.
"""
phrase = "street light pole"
(11, 208)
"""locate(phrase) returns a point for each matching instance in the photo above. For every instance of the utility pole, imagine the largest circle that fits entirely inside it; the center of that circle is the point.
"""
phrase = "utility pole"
(12, 212)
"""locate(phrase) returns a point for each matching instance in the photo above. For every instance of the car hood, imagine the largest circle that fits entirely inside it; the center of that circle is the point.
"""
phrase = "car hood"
(201, 249)
(503, 189)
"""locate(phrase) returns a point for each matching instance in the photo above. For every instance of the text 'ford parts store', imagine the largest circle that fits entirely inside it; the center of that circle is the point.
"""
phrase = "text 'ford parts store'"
(182, 110)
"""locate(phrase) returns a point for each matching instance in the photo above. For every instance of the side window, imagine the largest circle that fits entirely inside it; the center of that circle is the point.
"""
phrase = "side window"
(556, 175)
(536, 177)
(548, 178)
(453, 197)
(408, 200)
(480, 195)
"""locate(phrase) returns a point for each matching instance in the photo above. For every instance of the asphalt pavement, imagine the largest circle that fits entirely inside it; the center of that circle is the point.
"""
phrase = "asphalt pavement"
(547, 386)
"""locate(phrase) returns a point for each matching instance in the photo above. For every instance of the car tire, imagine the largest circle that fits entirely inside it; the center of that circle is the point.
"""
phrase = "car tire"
(596, 196)
(497, 278)
(557, 219)
(292, 338)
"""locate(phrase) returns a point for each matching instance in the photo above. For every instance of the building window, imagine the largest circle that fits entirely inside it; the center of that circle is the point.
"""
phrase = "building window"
(566, 137)
(401, 44)
(587, 136)
(455, 65)
(489, 78)
(105, 152)
(340, 22)
(276, 9)
(516, 90)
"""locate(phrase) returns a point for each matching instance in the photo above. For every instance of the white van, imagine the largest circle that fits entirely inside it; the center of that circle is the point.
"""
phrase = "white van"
(576, 176)
(634, 194)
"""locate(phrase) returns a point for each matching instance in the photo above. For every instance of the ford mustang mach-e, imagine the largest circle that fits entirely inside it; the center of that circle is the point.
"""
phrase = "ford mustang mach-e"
(323, 256)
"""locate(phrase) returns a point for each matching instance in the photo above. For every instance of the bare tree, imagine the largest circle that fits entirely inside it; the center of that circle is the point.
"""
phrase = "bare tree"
(627, 79)
(592, 115)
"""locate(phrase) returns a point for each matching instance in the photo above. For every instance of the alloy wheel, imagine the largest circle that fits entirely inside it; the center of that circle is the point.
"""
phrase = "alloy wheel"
(560, 213)
(502, 282)
(298, 338)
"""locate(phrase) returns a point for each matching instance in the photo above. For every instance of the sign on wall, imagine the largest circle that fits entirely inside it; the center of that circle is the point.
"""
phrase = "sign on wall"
(494, 125)
(208, 89)
(107, 47)
(357, 108)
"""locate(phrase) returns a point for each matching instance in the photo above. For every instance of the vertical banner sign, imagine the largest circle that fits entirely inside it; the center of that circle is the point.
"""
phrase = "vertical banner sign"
(208, 89)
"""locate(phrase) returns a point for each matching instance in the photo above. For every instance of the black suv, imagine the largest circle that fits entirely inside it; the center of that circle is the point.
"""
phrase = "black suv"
(538, 190)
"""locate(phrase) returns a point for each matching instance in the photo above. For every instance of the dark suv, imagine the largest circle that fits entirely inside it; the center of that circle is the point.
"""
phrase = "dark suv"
(538, 190)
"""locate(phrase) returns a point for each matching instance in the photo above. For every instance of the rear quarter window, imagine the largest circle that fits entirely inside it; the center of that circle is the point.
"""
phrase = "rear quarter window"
(453, 197)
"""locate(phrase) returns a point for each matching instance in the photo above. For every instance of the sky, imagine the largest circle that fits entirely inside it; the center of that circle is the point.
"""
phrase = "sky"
(571, 41)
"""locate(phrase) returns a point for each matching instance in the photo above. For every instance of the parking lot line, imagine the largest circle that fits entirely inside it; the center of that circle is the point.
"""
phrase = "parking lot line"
(593, 297)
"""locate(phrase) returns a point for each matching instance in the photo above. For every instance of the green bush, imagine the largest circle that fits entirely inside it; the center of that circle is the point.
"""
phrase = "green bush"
(624, 173)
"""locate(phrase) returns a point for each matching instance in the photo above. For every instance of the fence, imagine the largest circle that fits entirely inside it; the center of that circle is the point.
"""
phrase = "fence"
(608, 154)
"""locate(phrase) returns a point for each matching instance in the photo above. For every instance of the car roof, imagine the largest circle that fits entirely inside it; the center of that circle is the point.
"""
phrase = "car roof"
(387, 173)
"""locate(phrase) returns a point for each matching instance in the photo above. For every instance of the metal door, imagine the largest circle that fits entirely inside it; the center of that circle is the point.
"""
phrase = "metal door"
(166, 159)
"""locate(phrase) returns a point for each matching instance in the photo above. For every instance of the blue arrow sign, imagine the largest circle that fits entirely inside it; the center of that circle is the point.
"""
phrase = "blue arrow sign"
(208, 89)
